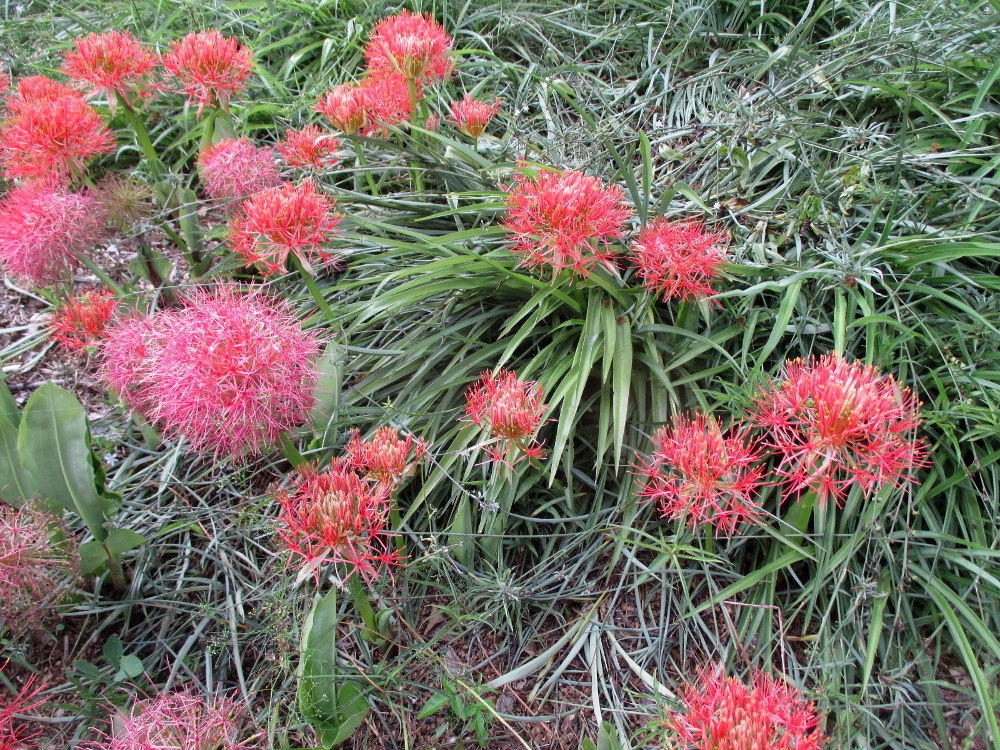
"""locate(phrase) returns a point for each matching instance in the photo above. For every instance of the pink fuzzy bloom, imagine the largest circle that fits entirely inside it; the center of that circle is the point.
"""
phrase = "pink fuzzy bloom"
(409, 45)
(34, 89)
(471, 116)
(80, 322)
(131, 348)
(386, 457)
(725, 714)
(36, 559)
(288, 219)
(700, 474)
(836, 424)
(52, 139)
(13, 736)
(235, 168)
(113, 62)
(509, 410)
(564, 220)
(679, 260)
(337, 517)
(208, 67)
(43, 232)
(310, 148)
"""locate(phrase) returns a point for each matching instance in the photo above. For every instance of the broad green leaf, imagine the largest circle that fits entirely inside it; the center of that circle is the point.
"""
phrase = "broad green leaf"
(93, 557)
(16, 484)
(8, 407)
(120, 541)
(435, 703)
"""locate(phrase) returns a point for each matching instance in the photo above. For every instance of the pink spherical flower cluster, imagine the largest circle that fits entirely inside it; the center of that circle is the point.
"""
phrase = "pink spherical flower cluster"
(229, 372)
(235, 168)
(703, 475)
(836, 424)
(564, 220)
(14, 735)
(721, 713)
(288, 219)
(679, 259)
(409, 45)
(471, 116)
(509, 410)
(112, 63)
(387, 457)
(79, 322)
(209, 67)
(310, 149)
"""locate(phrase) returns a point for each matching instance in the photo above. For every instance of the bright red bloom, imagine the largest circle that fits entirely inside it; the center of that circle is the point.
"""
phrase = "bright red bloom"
(701, 474)
(409, 45)
(4, 80)
(471, 116)
(386, 457)
(113, 62)
(310, 148)
(346, 107)
(38, 89)
(13, 737)
(367, 107)
(44, 231)
(679, 260)
(564, 220)
(508, 409)
(837, 424)
(235, 168)
(52, 139)
(208, 67)
(337, 517)
(726, 714)
(287, 219)
(81, 321)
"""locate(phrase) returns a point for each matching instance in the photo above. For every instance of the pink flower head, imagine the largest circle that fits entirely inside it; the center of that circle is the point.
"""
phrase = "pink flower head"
(310, 148)
(564, 220)
(36, 559)
(80, 322)
(409, 45)
(290, 218)
(208, 67)
(701, 474)
(471, 116)
(176, 720)
(433, 123)
(679, 260)
(52, 139)
(386, 457)
(43, 231)
(338, 517)
(113, 62)
(346, 107)
(12, 735)
(235, 168)
(230, 371)
(508, 409)
(34, 89)
(726, 714)
(836, 424)
(4, 81)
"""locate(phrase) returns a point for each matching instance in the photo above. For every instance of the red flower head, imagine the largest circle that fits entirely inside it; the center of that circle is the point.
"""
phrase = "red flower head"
(286, 219)
(564, 220)
(409, 45)
(80, 322)
(471, 116)
(235, 168)
(337, 517)
(679, 260)
(726, 714)
(12, 736)
(388, 103)
(386, 457)
(346, 107)
(508, 409)
(44, 231)
(837, 424)
(4, 81)
(310, 148)
(35, 89)
(208, 67)
(111, 63)
(701, 474)
(52, 139)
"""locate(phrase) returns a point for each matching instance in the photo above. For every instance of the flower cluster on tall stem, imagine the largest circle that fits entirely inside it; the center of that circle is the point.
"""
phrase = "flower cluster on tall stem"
(235, 168)
(368, 107)
(387, 457)
(679, 259)
(113, 63)
(208, 67)
(510, 411)
(79, 322)
(409, 45)
(471, 116)
(310, 149)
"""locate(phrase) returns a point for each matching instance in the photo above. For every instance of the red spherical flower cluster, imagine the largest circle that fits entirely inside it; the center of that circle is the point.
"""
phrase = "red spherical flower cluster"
(564, 220)
(510, 410)
(409, 45)
(14, 735)
(235, 168)
(34, 89)
(310, 148)
(294, 219)
(346, 107)
(229, 372)
(337, 517)
(679, 259)
(43, 231)
(387, 457)
(699, 473)
(80, 322)
(471, 116)
(726, 714)
(367, 107)
(208, 67)
(836, 424)
(112, 63)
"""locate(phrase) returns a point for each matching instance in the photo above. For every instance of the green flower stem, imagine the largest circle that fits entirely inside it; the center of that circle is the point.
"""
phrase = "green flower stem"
(115, 572)
(313, 288)
(416, 173)
(142, 135)
(102, 275)
(363, 166)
